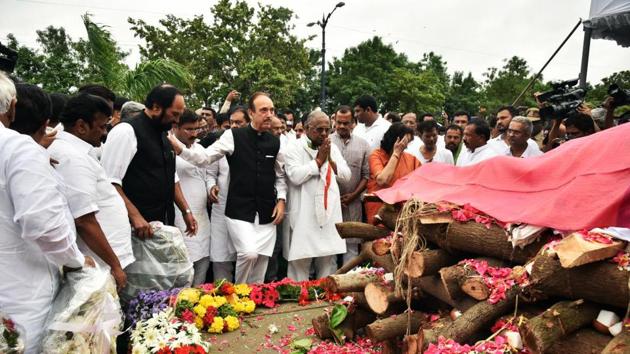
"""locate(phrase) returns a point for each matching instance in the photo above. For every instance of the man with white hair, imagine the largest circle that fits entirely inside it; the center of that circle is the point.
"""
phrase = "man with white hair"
(38, 234)
(313, 166)
(518, 134)
(130, 109)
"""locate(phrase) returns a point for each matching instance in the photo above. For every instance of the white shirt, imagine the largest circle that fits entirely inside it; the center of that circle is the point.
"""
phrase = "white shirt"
(374, 133)
(313, 232)
(531, 151)
(89, 190)
(224, 147)
(37, 233)
(118, 151)
(221, 246)
(501, 146)
(442, 154)
(467, 157)
(195, 183)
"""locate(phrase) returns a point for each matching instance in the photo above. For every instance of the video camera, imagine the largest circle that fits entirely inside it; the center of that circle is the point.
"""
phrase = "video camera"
(561, 100)
(620, 96)
(8, 59)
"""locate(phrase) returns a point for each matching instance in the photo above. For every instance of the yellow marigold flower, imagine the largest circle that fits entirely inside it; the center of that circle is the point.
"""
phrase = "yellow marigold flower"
(190, 295)
(199, 323)
(242, 289)
(200, 310)
(249, 306)
(216, 326)
(219, 301)
(232, 323)
(238, 306)
(206, 300)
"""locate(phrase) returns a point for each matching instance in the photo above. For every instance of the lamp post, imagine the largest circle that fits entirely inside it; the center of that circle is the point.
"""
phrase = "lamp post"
(322, 24)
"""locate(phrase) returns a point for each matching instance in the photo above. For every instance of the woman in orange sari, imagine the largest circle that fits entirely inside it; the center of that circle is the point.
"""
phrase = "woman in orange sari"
(389, 163)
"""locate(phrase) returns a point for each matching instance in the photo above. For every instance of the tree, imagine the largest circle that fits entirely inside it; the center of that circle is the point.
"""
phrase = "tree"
(598, 94)
(245, 49)
(464, 94)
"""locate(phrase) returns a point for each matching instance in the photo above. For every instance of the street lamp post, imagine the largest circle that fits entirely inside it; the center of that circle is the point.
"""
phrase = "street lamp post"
(323, 24)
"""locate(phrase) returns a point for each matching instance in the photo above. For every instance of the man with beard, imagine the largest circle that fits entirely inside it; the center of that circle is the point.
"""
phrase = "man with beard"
(518, 133)
(429, 151)
(141, 163)
(453, 140)
(371, 126)
(501, 143)
(257, 188)
(356, 152)
(478, 149)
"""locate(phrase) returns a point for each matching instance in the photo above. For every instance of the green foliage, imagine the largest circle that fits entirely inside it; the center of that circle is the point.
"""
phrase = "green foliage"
(338, 315)
(245, 49)
(598, 94)
(301, 346)
(464, 94)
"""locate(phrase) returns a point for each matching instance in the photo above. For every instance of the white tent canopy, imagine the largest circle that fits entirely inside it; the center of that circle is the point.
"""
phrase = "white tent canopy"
(610, 19)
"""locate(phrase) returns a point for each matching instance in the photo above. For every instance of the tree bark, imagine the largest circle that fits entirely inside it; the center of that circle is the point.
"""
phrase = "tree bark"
(354, 321)
(583, 341)
(471, 322)
(600, 282)
(575, 251)
(380, 298)
(387, 215)
(352, 282)
(366, 232)
(475, 238)
(433, 286)
(563, 318)
(410, 344)
(394, 326)
(428, 262)
(367, 254)
(619, 345)
(454, 277)
(381, 246)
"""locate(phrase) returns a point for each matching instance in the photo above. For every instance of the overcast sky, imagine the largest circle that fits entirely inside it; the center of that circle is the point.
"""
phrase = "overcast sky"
(469, 35)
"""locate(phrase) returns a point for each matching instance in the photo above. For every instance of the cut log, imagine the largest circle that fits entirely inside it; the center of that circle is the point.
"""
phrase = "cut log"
(455, 276)
(394, 326)
(574, 250)
(472, 237)
(381, 246)
(353, 322)
(432, 285)
(600, 282)
(473, 321)
(563, 318)
(359, 298)
(380, 298)
(410, 344)
(583, 341)
(619, 345)
(366, 232)
(428, 262)
(367, 254)
(476, 288)
(351, 282)
(387, 215)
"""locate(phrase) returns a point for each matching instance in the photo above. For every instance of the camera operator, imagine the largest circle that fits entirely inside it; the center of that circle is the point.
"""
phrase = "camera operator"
(616, 97)
(577, 125)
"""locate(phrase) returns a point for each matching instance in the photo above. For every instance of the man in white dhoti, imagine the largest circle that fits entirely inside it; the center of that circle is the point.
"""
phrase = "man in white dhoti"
(313, 166)
(257, 191)
(38, 234)
(195, 184)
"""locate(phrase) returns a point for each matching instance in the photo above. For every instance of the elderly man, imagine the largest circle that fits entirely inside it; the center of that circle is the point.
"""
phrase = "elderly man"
(504, 117)
(257, 191)
(38, 235)
(371, 126)
(476, 137)
(356, 152)
(314, 166)
(518, 133)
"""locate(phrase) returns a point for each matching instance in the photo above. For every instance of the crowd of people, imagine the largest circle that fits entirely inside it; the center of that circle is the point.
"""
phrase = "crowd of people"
(256, 192)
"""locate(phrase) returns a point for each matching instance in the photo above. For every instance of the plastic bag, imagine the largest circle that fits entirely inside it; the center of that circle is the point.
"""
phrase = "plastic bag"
(161, 262)
(85, 316)
(11, 336)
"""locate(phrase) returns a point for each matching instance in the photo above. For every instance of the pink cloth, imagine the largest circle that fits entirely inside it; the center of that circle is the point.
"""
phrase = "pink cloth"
(582, 184)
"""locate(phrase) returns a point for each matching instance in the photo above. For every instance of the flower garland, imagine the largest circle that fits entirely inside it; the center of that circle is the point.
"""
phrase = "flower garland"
(498, 280)
(214, 307)
(468, 213)
(286, 289)
(166, 335)
(149, 302)
(11, 340)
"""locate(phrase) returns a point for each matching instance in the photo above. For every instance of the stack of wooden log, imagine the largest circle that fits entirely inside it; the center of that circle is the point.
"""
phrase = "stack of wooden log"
(567, 296)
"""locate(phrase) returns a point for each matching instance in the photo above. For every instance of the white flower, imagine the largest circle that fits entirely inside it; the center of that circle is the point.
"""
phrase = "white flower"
(273, 328)
(139, 349)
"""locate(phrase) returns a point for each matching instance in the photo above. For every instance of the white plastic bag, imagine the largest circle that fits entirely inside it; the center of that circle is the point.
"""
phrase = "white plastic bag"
(161, 262)
(85, 316)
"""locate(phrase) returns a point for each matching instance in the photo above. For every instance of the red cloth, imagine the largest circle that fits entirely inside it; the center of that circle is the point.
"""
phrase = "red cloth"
(582, 184)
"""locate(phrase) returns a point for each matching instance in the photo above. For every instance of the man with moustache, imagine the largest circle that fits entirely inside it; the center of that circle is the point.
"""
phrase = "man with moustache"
(141, 164)
(257, 188)
(476, 136)
(356, 151)
(453, 140)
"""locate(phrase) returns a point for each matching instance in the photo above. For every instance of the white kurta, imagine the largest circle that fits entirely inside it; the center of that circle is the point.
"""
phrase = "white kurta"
(374, 133)
(312, 228)
(38, 234)
(221, 247)
(194, 182)
(467, 157)
(89, 189)
(442, 154)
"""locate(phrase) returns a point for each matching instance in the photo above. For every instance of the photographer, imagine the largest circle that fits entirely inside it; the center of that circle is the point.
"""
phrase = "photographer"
(577, 125)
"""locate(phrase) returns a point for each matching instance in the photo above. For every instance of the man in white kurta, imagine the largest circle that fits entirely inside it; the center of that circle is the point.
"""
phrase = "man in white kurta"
(313, 166)
(195, 184)
(38, 234)
(222, 252)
